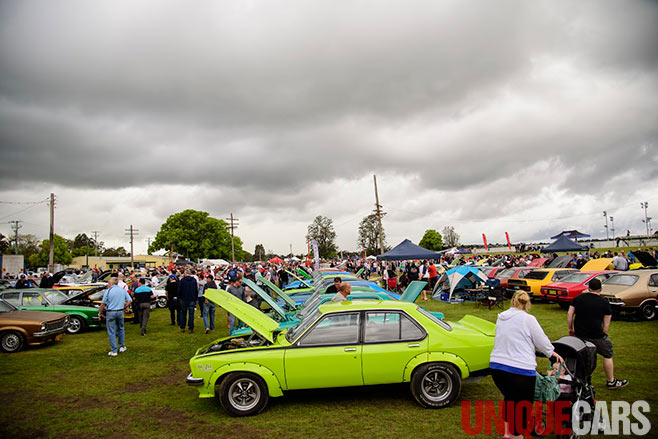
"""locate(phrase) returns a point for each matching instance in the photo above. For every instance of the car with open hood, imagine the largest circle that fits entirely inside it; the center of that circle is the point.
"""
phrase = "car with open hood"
(564, 291)
(19, 328)
(633, 291)
(38, 299)
(351, 343)
(534, 280)
(643, 259)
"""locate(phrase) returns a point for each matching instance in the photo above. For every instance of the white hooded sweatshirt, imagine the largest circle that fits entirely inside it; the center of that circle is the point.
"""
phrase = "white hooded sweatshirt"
(517, 335)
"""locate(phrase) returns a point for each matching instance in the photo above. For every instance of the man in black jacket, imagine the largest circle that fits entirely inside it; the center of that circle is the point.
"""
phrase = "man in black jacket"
(188, 292)
(172, 299)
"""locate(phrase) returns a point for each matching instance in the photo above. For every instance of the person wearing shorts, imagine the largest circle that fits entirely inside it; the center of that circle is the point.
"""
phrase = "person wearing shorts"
(589, 319)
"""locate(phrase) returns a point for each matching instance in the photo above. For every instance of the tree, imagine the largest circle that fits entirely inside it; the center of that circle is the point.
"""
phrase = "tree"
(432, 240)
(322, 230)
(259, 252)
(196, 235)
(61, 254)
(116, 252)
(450, 237)
(28, 245)
(369, 235)
(4, 243)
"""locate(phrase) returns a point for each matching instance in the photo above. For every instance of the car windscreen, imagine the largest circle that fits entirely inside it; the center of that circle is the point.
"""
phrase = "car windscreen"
(508, 272)
(434, 318)
(55, 297)
(6, 307)
(621, 279)
(302, 326)
(98, 295)
(536, 275)
(575, 278)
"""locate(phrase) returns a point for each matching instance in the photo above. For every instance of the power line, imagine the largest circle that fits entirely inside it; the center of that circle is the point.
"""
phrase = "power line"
(18, 211)
(45, 200)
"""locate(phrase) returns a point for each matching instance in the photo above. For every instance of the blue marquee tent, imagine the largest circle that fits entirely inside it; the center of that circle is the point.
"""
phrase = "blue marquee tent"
(408, 250)
(563, 244)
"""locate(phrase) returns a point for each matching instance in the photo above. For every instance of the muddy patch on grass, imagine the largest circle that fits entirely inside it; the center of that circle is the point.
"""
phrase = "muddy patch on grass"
(173, 377)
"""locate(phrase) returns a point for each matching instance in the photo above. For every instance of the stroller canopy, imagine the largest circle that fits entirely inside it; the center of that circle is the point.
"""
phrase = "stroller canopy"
(458, 277)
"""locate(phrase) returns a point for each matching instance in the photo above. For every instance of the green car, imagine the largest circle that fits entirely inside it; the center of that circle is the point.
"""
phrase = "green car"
(37, 299)
(340, 344)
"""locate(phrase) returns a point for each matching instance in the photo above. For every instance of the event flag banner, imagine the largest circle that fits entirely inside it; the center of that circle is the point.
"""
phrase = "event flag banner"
(316, 254)
(484, 238)
(509, 244)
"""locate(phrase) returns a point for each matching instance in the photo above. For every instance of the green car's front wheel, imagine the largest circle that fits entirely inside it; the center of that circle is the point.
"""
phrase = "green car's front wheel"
(76, 324)
(243, 394)
(436, 385)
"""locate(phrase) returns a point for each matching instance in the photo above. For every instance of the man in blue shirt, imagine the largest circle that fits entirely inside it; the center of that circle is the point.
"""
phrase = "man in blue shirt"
(116, 300)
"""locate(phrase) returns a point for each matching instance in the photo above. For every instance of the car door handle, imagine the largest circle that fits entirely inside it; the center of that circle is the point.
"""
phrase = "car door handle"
(350, 349)
(414, 345)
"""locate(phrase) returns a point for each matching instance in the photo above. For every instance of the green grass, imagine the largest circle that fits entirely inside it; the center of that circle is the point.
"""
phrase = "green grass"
(72, 389)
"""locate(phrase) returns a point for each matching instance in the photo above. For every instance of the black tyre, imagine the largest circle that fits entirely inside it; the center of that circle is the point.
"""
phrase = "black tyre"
(243, 394)
(11, 341)
(161, 301)
(436, 385)
(76, 325)
(647, 311)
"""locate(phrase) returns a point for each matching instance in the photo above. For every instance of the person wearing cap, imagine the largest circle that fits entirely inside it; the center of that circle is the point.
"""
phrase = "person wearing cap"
(23, 282)
(589, 319)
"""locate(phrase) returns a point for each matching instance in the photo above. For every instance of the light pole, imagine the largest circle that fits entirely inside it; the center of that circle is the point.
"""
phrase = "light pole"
(605, 215)
(612, 226)
(645, 205)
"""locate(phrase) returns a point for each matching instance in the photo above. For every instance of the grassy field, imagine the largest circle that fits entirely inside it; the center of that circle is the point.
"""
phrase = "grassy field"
(72, 389)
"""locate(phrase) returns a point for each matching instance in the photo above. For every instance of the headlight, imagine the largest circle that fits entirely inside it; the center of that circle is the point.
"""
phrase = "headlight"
(43, 327)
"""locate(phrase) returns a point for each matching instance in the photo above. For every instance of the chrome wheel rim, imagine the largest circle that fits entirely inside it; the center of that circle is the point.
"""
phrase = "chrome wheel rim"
(11, 342)
(436, 385)
(74, 325)
(162, 302)
(244, 394)
(649, 312)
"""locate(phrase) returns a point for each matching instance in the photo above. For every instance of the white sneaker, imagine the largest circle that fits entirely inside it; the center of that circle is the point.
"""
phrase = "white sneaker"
(123, 349)
(112, 354)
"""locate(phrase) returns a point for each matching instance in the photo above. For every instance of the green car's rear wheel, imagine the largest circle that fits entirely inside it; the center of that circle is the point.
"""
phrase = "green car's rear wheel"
(11, 341)
(436, 385)
(243, 394)
(76, 324)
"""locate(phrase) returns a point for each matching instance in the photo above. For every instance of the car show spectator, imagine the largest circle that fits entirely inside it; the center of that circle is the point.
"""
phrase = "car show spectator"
(619, 262)
(208, 306)
(343, 291)
(589, 319)
(143, 296)
(513, 361)
(116, 300)
(173, 304)
(333, 289)
(187, 295)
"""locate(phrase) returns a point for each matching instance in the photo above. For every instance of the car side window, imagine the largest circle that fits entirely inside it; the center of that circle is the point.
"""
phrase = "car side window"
(342, 328)
(32, 299)
(653, 281)
(12, 298)
(390, 327)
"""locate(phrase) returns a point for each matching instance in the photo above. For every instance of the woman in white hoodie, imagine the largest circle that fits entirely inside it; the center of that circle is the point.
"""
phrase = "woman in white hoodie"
(513, 360)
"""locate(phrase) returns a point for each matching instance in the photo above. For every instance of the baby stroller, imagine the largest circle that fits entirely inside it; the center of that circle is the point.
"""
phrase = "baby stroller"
(576, 384)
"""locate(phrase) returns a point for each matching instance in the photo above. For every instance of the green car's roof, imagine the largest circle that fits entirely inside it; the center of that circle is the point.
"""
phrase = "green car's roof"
(359, 305)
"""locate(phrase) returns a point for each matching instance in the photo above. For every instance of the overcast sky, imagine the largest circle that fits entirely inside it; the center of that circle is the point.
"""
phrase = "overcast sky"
(522, 116)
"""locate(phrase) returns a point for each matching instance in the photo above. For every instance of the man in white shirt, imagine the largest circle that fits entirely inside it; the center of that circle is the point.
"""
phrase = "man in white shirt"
(343, 291)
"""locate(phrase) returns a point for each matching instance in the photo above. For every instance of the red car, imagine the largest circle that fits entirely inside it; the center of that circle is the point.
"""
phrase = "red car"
(568, 288)
(491, 271)
(515, 272)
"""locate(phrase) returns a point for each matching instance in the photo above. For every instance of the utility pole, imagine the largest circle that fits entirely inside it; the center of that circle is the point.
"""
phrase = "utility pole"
(132, 232)
(233, 226)
(612, 226)
(291, 250)
(380, 214)
(51, 250)
(605, 215)
(15, 225)
(645, 205)
(148, 244)
(95, 232)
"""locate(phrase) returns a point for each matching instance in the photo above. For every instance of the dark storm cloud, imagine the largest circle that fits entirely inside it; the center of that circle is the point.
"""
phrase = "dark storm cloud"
(268, 99)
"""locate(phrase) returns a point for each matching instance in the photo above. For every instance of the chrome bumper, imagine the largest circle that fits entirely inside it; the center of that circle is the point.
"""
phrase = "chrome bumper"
(190, 380)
